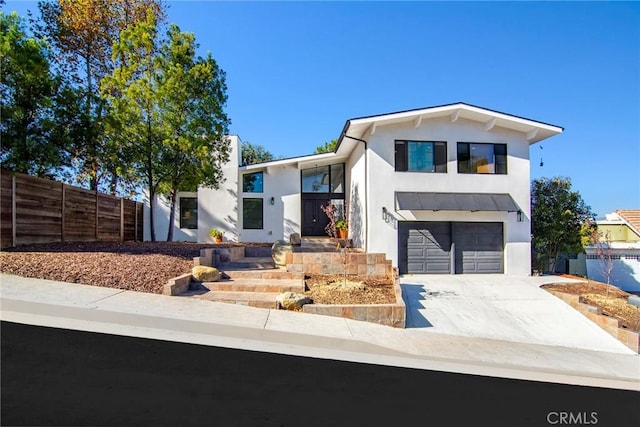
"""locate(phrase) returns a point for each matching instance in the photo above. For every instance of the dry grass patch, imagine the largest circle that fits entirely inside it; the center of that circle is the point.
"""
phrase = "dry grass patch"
(336, 289)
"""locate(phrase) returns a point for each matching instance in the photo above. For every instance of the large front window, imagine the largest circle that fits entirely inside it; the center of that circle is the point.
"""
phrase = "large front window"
(482, 158)
(252, 214)
(188, 212)
(420, 156)
(323, 179)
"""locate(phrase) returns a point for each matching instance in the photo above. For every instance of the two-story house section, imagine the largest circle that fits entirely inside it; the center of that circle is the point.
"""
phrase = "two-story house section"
(443, 189)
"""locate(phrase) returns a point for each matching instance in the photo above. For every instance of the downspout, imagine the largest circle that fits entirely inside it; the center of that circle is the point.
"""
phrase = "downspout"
(366, 183)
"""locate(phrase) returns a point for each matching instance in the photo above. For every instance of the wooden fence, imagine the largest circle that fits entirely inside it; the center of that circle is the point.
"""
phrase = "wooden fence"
(36, 210)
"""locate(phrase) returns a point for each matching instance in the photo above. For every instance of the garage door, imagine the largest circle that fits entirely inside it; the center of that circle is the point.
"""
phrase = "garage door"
(479, 247)
(424, 247)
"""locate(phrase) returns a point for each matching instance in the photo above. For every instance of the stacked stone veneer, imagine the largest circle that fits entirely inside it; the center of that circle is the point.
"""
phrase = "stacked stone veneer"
(216, 256)
(385, 314)
(362, 264)
(610, 324)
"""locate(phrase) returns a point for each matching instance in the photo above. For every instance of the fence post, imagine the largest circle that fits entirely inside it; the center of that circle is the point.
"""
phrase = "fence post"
(135, 210)
(121, 219)
(13, 211)
(62, 213)
(97, 204)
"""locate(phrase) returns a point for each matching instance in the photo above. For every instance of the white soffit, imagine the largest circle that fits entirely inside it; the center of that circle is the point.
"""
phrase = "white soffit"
(534, 131)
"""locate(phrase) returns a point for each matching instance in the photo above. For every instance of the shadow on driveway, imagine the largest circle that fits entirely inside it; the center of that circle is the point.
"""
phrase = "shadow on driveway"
(412, 295)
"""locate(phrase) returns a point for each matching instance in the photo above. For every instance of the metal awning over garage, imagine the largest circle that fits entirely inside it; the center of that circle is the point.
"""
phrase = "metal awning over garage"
(420, 201)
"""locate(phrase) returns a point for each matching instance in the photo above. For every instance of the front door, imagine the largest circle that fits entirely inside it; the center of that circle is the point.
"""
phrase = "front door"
(314, 220)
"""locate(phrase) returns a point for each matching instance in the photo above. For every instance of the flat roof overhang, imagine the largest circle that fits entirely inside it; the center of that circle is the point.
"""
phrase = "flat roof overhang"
(425, 201)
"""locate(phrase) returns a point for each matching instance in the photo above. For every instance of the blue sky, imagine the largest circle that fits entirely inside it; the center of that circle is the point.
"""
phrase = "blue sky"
(296, 71)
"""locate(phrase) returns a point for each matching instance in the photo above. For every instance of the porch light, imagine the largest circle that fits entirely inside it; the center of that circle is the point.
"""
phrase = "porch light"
(385, 214)
(273, 201)
(520, 216)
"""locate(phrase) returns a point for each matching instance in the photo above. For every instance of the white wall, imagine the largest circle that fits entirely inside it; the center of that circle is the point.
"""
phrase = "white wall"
(626, 269)
(283, 217)
(355, 182)
(161, 214)
(219, 208)
(384, 182)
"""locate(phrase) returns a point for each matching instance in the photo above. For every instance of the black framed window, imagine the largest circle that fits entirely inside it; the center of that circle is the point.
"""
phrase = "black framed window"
(482, 158)
(323, 179)
(252, 214)
(252, 182)
(189, 212)
(421, 156)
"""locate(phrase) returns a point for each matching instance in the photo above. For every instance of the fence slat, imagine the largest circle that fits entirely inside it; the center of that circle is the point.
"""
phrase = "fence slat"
(36, 210)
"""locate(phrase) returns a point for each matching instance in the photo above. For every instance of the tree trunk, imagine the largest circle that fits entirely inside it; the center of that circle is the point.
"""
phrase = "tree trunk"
(152, 224)
(172, 215)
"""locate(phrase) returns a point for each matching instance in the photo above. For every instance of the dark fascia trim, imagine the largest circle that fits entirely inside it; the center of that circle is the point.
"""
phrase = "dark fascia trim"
(451, 105)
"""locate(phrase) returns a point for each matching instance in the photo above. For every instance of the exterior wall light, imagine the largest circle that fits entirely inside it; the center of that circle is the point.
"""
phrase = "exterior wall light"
(520, 216)
(273, 201)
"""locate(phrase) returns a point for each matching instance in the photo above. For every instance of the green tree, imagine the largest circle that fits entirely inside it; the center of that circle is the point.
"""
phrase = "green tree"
(253, 153)
(558, 215)
(82, 33)
(166, 112)
(27, 90)
(193, 96)
(134, 118)
(327, 147)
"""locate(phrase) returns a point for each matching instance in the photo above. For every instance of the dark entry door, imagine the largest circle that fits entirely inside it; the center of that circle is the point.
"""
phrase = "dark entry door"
(314, 220)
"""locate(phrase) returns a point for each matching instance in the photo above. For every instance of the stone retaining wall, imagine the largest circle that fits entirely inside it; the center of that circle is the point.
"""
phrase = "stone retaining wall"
(363, 264)
(610, 324)
(177, 285)
(385, 314)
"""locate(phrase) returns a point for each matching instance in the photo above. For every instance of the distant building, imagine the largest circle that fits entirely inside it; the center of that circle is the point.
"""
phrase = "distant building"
(623, 229)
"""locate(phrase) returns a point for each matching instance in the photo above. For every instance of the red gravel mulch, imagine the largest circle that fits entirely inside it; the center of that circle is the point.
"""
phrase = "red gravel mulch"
(135, 266)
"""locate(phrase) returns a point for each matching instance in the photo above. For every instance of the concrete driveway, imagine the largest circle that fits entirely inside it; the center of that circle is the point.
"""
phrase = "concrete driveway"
(508, 308)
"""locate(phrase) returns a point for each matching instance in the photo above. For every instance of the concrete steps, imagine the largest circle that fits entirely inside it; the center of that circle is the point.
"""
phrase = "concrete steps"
(248, 263)
(256, 285)
(260, 273)
(251, 299)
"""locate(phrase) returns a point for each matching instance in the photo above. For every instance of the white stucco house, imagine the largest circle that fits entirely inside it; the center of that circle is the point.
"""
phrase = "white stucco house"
(442, 189)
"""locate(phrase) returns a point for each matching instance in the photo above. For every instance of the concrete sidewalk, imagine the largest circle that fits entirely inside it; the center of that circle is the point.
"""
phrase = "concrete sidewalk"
(113, 311)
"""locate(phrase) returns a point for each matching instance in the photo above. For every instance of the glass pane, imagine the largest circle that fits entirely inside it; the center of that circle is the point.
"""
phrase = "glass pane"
(337, 178)
(188, 212)
(500, 151)
(441, 157)
(482, 158)
(463, 157)
(252, 213)
(315, 180)
(401, 156)
(420, 156)
(252, 182)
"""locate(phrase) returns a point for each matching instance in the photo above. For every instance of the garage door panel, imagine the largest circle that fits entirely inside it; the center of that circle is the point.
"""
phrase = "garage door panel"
(424, 247)
(479, 248)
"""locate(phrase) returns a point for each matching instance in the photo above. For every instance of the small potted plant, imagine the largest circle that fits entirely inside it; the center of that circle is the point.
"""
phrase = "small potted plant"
(341, 227)
(216, 234)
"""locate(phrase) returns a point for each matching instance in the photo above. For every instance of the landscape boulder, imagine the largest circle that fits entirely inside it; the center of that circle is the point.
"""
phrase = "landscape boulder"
(292, 300)
(203, 273)
(294, 239)
(279, 252)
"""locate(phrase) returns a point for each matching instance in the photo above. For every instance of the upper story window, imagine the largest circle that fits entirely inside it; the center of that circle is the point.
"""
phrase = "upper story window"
(189, 212)
(252, 182)
(482, 158)
(421, 156)
(323, 179)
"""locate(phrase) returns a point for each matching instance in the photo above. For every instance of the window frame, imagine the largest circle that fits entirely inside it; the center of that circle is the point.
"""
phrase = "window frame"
(182, 209)
(402, 161)
(244, 190)
(499, 161)
(244, 213)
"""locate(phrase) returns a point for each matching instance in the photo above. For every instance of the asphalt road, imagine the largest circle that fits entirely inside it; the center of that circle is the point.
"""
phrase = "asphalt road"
(62, 377)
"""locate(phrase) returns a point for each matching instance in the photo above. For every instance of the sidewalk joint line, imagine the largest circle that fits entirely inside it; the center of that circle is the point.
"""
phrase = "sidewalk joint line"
(109, 296)
(267, 319)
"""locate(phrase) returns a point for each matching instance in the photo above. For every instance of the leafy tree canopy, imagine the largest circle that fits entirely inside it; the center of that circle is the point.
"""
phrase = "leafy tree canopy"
(327, 147)
(253, 153)
(558, 216)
